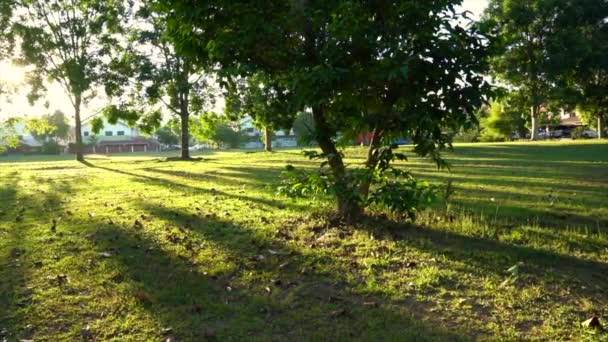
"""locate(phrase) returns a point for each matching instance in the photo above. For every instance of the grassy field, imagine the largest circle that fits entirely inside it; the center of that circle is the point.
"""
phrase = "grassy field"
(134, 248)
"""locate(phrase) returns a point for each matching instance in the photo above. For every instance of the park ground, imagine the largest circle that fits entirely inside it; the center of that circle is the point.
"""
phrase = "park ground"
(137, 248)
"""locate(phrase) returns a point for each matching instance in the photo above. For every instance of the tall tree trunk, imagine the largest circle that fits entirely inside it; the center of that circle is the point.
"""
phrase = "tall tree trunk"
(600, 127)
(78, 128)
(185, 134)
(267, 139)
(348, 207)
(534, 130)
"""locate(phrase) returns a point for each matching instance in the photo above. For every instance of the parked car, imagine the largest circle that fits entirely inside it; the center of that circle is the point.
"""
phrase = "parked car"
(588, 133)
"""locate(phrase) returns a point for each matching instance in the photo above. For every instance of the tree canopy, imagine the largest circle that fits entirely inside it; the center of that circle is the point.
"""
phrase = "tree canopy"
(67, 42)
(392, 68)
(151, 72)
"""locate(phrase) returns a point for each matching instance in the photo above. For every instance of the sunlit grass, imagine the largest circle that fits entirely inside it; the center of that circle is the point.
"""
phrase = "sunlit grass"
(145, 249)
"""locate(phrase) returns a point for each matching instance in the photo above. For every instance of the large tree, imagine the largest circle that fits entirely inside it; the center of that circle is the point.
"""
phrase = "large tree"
(155, 74)
(67, 42)
(392, 68)
(580, 48)
(526, 28)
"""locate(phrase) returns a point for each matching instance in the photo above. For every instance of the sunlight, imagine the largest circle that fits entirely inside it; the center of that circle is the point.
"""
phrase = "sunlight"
(11, 74)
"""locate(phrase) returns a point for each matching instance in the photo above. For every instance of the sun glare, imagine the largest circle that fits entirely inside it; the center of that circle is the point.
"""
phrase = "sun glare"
(11, 74)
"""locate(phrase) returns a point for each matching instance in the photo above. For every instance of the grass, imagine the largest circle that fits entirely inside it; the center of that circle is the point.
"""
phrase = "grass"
(144, 249)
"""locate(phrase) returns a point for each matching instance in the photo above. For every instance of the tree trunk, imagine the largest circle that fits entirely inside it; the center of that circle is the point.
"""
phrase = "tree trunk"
(600, 127)
(185, 135)
(372, 160)
(534, 130)
(348, 206)
(267, 139)
(78, 128)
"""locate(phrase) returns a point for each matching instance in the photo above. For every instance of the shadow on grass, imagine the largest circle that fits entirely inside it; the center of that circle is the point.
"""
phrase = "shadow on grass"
(493, 256)
(243, 302)
(191, 189)
(21, 214)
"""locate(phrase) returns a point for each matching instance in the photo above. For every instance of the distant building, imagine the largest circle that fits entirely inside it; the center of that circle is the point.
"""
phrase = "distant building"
(116, 138)
(280, 138)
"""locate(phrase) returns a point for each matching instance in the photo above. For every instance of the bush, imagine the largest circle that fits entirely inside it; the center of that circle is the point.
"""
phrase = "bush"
(389, 187)
(578, 133)
(50, 147)
(467, 135)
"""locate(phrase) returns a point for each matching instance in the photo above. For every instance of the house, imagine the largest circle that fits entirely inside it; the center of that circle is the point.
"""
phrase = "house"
(280, 138)
(116, 138)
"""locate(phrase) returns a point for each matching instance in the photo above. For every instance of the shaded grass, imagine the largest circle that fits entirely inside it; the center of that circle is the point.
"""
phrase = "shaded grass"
(192, 251)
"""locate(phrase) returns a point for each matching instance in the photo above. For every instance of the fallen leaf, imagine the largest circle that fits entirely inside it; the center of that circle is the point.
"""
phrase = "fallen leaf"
(593, 322)
(86, 332)
(338, 313)
(273, 252)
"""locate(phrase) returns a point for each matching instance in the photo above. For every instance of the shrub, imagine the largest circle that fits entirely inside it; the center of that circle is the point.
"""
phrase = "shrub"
(388, 186)
(578, 133)
(50, 147)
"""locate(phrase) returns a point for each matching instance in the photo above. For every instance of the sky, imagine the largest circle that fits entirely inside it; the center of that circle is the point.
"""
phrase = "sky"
(57, 100)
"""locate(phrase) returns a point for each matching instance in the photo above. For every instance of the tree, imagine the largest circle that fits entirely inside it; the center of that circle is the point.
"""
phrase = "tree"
(265, 100)
(8, 134)
(525, 28)
(392, 68)
(583, 29)
(227, 136)
(304, 128)
(67, 42)
(167, 135)
(507, 115)
(161, 75)
(58, 127)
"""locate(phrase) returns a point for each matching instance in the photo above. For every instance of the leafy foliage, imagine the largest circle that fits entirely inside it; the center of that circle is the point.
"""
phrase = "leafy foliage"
(402, 68)
(8, 134)
(167, 135)
(225, 135)
(501, 122)
(54, 126)
(304, 128)
(392, 187)
(526, 30)
(67, 42)
(157, 78)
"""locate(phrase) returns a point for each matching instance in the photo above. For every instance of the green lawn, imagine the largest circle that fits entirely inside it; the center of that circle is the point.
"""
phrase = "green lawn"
(144, 249)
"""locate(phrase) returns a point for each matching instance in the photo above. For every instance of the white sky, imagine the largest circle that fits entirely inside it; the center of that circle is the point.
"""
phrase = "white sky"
(19, 106)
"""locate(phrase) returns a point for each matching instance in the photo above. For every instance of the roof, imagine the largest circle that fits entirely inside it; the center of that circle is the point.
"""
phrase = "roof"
(571, 121)
(138, 140)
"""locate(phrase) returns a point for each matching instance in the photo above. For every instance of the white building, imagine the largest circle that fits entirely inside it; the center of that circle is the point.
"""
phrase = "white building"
(280, 138)
(116, 138)
(110, 132)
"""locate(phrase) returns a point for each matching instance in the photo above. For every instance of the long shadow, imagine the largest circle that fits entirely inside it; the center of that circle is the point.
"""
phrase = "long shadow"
(209, 176)
(191, 189)
(192, 301)
(11, 273)
(495, 257)
(19, 214)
